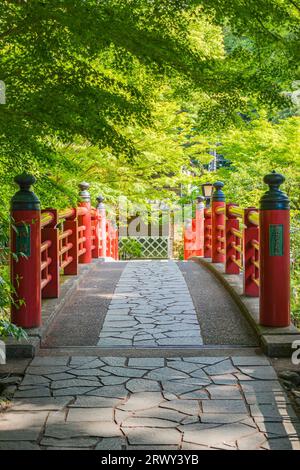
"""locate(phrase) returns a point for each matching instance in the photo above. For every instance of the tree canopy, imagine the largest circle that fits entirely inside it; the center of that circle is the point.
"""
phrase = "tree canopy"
(127, 94)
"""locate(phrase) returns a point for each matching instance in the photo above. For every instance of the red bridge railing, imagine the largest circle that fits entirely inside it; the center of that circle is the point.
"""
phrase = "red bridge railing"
(50, 243)
(252, 242)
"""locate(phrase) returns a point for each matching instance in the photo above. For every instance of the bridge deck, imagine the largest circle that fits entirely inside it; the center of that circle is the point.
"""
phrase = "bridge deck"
(161, 386)
(150, 304)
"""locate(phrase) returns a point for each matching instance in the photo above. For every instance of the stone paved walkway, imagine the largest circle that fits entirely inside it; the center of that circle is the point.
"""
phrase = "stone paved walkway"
(150, 403)
(151, 307)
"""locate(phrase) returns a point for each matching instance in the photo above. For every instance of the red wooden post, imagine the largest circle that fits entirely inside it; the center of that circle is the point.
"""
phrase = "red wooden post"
(102, 225)
(274, 254)
(117, 244)
(50, 233)
(96, 225)
(199, 238)
(26, 239)
(232, 240)
(114, 253)
(207, 233)
(107, 231)
(251, 255)
(188, 239)
(72, 224)
(85, 220)
(218, 224)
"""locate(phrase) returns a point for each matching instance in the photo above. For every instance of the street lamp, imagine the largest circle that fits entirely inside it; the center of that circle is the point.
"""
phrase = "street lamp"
(207, 190)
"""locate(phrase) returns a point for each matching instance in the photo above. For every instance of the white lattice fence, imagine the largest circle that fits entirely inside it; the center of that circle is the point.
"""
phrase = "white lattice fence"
(152, 247)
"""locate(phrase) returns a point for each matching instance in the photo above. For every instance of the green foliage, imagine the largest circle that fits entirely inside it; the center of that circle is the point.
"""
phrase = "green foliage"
(8, 329)
(130, 249)
(127, 95)
(254, 151)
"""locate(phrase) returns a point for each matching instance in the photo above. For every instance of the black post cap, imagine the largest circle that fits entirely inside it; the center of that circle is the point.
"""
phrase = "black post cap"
(100, 200)
(218, 194)
(25, 199)
(84, 193)
(200, 200)
(274, 198)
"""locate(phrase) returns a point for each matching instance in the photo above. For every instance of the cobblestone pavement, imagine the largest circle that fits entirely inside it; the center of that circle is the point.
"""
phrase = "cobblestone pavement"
(151, 307)
(150, 403)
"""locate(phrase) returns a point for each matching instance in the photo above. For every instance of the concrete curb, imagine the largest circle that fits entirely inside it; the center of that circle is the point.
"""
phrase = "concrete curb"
(50, 309)
(275, 342)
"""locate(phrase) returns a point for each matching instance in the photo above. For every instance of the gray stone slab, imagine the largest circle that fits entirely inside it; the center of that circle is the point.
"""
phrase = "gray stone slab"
(215, 435)
(282, 444)
(111, 391)
(95, 363)
(204, 360)
(226, 379)
(161, 413)
(148, 436)
(46, 370)
(30, 434)
(36, 404)
(90, 414)
(34, 392)
(142, 400)
(261, 386)
(188, 407)
(250, 361)
(15, 421)
(60, 384)
(113, 380)
(80, 360)
(178, 388)
(125, 371)
(86, 372)
(259, 372)
(114, 361)
(144, 422)
(95, 402)
(111, 443)
(221, 368)
(146, 362)
(74, 391)
(284, 428)
(196, 394)
(76, 442)
(224, 392)
(59, 376)
(272, 410)
(165, 373)
(225, 418)
(268, 397)
(84, 428)
(18, 445)
(142, 385)
(224, 406)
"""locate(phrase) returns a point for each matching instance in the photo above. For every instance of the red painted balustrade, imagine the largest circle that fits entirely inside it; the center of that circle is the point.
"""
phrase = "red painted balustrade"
(250, 242)
(50, 243)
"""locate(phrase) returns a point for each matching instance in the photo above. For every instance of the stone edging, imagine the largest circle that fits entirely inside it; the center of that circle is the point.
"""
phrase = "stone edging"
(275, 342)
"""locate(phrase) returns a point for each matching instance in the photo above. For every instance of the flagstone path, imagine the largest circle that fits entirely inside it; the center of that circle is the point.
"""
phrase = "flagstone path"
(108, 403)
(177, 394)
(151, 307)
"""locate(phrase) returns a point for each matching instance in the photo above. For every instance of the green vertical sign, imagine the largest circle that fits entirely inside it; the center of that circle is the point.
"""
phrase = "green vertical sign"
(23, 240)
(276, 240)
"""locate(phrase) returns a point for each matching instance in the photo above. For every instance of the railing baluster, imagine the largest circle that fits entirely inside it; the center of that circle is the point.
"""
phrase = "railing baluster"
(218, 224)
(232, 262)
(51, 233)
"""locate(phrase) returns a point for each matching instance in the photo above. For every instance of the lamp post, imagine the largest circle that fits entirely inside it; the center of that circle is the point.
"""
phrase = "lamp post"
(207, 190)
